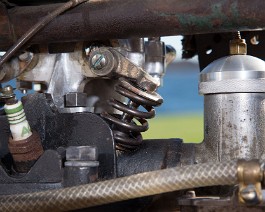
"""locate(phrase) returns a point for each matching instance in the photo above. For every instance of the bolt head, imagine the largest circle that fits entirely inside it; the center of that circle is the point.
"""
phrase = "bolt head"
(81, 153)
(75, 99)
(249, 194)
(238, 47)
(98, 61)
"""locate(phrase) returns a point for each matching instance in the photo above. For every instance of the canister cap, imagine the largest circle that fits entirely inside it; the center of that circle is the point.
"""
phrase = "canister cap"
(235, 73)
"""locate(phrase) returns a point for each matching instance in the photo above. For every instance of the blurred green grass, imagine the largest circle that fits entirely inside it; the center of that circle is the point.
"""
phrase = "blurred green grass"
(188, 127)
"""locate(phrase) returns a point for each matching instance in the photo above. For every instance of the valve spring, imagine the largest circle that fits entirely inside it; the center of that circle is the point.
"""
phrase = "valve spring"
(127, 133)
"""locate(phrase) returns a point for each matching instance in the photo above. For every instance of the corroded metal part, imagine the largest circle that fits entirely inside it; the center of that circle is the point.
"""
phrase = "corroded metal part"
(5, 28)
(116, 64)
(250, 176)
(234, 122)
(25, 152)
(139, 18)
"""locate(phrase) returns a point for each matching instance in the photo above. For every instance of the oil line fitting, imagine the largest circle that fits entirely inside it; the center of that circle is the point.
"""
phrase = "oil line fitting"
(250, 177)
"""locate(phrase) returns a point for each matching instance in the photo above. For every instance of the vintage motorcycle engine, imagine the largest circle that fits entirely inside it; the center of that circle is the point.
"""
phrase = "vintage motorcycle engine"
(91, 72)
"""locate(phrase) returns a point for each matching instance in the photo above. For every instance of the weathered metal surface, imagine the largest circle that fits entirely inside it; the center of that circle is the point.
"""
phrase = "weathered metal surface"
(233, 109)
(6, 37)
(77, 129)
(46, 173)
(234, 127)
(25, 152)
(139, 18)
(152, 155)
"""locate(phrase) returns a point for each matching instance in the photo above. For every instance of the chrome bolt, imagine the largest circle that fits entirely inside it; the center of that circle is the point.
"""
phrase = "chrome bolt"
(98, 61)
(249, 194)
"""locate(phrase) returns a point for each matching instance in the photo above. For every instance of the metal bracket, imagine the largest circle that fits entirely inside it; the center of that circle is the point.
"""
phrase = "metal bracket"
(250, 176)
(110, 62)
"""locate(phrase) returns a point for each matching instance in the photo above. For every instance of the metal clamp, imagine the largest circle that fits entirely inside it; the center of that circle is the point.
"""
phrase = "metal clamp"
(250, 176)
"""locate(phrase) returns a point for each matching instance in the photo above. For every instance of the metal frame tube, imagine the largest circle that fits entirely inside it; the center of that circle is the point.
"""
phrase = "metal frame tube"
(111, 19)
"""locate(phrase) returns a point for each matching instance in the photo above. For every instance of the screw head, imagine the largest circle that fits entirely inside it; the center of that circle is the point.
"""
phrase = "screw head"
(98, 61)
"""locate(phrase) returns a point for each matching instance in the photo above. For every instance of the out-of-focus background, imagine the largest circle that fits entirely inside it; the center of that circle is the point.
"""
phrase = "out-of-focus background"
(181, 114)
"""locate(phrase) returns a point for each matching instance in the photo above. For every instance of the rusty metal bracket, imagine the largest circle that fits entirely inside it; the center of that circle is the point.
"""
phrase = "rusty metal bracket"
(250, 176)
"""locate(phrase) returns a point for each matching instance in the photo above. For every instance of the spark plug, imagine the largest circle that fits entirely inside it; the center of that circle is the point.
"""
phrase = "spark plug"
(24, 144)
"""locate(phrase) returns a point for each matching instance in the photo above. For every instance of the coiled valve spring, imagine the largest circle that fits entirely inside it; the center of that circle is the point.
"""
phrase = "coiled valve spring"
(127, 133)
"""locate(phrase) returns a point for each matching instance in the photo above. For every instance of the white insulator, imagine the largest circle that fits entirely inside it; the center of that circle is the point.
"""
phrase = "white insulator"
(19, 125)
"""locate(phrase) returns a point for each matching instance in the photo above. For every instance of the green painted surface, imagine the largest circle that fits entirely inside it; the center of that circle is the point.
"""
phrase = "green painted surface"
(216, 14)
(14, 110)
(25, 131)
(188, 127)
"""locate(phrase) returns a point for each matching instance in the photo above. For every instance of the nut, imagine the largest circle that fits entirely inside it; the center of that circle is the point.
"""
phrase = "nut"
(81, 153)
(75, 99)
(7, 92)
(238, 47)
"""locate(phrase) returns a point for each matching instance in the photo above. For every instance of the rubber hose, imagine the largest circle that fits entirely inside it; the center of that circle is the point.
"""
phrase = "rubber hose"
(139, 185)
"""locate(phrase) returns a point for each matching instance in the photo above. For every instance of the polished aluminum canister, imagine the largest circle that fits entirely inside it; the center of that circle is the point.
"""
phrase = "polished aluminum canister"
(234, 109)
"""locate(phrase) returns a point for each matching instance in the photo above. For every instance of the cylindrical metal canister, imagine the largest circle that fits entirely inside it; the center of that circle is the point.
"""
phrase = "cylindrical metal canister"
(234, 109)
